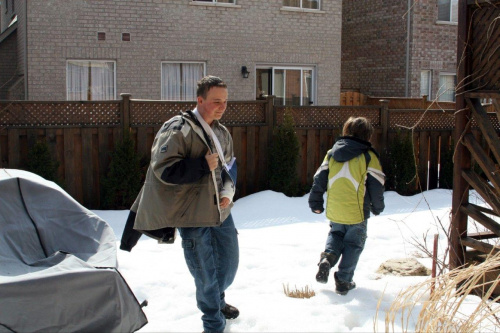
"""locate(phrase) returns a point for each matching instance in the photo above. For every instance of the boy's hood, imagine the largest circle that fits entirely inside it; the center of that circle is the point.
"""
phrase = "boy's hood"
(348, 147)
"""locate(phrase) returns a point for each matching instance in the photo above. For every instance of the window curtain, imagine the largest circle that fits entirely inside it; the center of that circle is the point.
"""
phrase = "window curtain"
(77, 82)
(171, 78)
(102, 85)
(448, 10)
(90, 80)
(454, 11)
(180, 81)
(443, 10)
(425, 83)
(446, 91)
(307, 87)
(191, 74)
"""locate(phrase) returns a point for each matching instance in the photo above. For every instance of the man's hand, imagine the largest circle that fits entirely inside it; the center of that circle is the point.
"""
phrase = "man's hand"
(212, 160)
(224, 202)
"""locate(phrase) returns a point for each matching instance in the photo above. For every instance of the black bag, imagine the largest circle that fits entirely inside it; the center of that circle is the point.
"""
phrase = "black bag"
(130, 236)
(163, 236)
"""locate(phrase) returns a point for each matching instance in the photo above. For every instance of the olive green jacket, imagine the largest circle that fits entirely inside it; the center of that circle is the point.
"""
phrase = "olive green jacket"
(179, 189)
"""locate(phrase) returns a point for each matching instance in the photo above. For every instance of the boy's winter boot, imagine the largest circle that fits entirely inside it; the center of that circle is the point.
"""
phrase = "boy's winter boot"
(327, 260)
(230, 312)
(342, 287)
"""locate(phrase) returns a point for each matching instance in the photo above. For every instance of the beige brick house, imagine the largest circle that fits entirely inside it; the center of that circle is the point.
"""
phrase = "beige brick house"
(158, 49)
(400, 48)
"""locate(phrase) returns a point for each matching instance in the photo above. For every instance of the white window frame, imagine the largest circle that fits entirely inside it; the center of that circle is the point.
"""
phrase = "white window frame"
(300, 6)
(233, 1)
(428, 72)
(441, 90)
(179, 62)
(452, 15)
(302, 68)
(91, 61)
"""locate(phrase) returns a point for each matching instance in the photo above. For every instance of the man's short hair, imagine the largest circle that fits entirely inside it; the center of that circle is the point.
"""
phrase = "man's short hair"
(207, 83)
(358, 127)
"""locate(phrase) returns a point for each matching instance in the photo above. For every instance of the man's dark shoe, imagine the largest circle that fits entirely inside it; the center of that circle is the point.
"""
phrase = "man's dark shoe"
(230, 312)
(342, 287)
(325, 263)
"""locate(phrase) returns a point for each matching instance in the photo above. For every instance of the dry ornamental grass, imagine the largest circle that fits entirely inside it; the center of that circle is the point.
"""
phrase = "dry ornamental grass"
(298, 293)
(462, 301)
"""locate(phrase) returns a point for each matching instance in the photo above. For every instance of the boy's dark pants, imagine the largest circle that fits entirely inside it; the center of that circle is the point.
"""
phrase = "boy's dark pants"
(346, 241)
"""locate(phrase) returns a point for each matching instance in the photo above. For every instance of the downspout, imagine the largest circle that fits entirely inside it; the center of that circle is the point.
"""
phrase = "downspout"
(25, 56)
(408, 25)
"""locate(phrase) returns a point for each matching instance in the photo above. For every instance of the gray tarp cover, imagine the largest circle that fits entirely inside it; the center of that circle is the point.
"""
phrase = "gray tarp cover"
(58, 263)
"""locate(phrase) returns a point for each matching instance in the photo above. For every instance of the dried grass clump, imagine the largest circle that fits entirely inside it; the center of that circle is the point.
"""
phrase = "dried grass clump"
(448, 308)
(299, 293)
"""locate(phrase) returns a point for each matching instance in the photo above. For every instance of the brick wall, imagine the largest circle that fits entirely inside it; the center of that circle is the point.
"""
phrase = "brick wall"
(20, 9)
(374, 46)
(8, 64)
(434, 46)
(251, 33)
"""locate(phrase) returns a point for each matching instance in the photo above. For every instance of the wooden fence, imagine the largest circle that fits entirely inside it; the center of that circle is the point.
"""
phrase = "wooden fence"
(413, 103)
(82, 135)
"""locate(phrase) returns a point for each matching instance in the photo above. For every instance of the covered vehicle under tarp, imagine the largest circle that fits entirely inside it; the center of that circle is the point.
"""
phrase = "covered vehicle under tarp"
(58, 263)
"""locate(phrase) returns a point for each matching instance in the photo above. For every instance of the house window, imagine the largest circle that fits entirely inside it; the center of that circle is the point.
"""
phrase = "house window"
(306, 4)
(425, 83)
(219, 1)
(90, 80)
(446, 91)
(448, 10)
(179, 80)
(290, 85)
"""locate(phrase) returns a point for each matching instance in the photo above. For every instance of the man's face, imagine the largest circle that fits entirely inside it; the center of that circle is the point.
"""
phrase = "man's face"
(214, 105)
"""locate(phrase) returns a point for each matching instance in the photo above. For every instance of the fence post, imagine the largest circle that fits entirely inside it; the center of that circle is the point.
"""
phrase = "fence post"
(384, 122)
(424, 102)
(125, 113)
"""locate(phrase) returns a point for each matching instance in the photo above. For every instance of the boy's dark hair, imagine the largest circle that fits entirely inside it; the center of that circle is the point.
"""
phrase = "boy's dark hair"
(208, 82)
(358, 127)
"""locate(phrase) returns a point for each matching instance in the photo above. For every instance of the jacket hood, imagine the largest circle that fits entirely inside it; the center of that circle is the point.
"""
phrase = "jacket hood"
(348, 147)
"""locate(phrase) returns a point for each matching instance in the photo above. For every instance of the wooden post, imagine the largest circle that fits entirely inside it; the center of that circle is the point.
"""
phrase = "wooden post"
(384, 123)
(424, 102)
(434, 261)
(125, 113)
(462, 157)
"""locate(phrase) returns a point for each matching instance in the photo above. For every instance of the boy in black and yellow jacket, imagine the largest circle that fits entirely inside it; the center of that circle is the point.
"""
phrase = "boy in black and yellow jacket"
(352, 177)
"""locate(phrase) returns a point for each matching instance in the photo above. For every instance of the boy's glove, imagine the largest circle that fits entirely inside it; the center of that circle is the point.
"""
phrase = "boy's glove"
(317, 211)
(374, 212)
(316, 206)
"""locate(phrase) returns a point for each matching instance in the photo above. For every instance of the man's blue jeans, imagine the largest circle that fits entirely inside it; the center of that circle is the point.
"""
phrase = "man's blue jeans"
(347, 241)
(212, 256)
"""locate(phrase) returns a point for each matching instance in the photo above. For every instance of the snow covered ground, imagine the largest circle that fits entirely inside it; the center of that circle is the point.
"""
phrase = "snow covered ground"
(280, 243)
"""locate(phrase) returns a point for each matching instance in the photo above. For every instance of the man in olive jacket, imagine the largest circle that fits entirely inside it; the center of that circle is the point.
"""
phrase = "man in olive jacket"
(190, 186)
